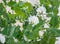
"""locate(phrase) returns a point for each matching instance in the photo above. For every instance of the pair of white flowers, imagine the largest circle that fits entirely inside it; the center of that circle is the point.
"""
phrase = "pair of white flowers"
(41, 11)
(2, 38)
(34, 19)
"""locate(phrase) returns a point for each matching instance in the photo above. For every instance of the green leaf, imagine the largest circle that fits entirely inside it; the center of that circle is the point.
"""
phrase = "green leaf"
(12, 3)
(2, 9)
(27, 6)
(8, 31)
(54, 21)
(17, 33)
(52, 40)
(22, 42)
(12, 31)
(55, 31)
(31, 32)
(10, 41)
(48, 38)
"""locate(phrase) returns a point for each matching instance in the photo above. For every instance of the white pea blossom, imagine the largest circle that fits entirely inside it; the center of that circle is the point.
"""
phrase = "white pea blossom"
(15, 39)
(59, 27)
(58, 40)
(17, 1)
(41, 32)
(2, 38)
(1, 29)
(44, 17)
(46, 25)
(59, 11)
(9, 10)
(18, 23)
(1, 1)
(50, 5)
(41, 9)
(48, 19)
(7, 1)
(33, 2)
(25, 38)
(33, 20)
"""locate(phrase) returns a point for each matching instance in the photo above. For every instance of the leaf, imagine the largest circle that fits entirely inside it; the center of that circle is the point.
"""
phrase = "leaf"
(2, 9)
(27, 6)
(12, 3)
(8, 31)
(12, 31)
(54, 21)
(22, 42)
(55, 31)
(10, 41)
(48, 38)
(17, 33)
(52, 40)
(31, 32)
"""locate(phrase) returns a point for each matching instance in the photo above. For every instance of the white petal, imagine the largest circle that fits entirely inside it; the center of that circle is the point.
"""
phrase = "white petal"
(17, 1)
(33, 20)
(41, 33)
(2, 38)
(18, 23)
(15, 39)
(46, 25)
(58, 40)
(41, 9)
(1, 1)
(33, 2)
(50, 5)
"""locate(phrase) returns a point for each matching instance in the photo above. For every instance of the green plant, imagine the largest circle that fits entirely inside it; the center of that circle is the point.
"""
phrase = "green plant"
(22, 22)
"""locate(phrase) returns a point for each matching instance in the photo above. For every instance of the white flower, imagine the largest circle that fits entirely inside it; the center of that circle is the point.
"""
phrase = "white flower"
(48, 19)
(18, 23)
(33, 2)
(58, 11)
(15, 40)
(1, 29)
(2, 38)
(41, 9)
(33, 20)
(46, 25)
(7, 1)
(1, 1)
(41, 32)
(59, 14)
(50, 5)
(9, 10)
(17, 1)
(59, 27)
(58, 40)
(44, 17)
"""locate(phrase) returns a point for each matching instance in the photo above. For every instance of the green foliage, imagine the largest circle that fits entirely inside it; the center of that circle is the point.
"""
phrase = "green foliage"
(23, 11)
(54, 21)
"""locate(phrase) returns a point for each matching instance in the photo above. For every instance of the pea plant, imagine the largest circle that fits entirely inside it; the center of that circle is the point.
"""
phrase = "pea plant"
(29, 21)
